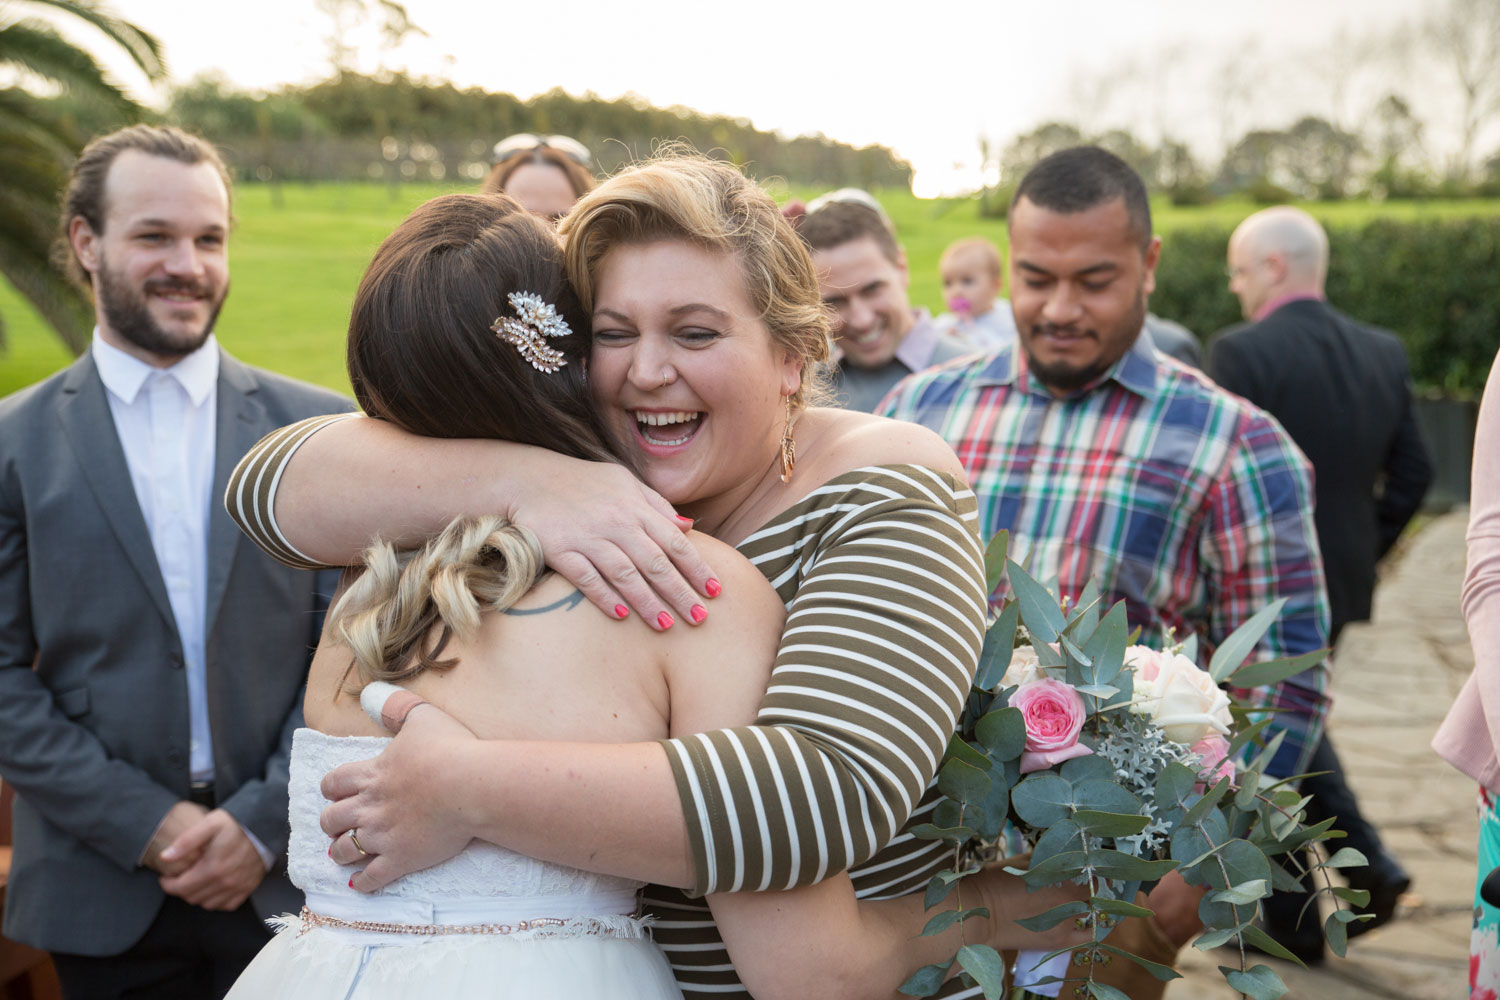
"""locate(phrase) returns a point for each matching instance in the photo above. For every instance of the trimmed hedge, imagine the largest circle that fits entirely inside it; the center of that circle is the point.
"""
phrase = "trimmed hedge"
(1436, 284)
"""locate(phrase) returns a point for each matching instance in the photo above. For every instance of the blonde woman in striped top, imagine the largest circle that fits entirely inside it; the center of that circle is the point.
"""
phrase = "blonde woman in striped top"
(707, 334)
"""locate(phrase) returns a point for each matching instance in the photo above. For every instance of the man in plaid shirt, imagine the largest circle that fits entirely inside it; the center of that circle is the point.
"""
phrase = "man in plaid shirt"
(1108, 460)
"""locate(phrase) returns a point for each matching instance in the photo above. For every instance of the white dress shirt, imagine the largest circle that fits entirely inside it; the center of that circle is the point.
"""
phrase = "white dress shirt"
(165, 419)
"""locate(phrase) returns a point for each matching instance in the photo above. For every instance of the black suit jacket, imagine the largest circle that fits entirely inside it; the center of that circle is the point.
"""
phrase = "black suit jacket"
(1341, 390)
(93, 699)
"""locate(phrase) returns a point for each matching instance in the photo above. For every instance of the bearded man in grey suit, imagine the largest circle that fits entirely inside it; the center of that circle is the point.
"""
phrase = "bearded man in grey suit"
(152, 661)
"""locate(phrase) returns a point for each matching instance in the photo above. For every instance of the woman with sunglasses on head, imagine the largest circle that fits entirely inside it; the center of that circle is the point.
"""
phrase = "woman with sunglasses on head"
(545, 174)
(707, 335)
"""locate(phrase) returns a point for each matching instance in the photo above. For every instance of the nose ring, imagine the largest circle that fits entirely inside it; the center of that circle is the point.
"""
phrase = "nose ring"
(664, 378)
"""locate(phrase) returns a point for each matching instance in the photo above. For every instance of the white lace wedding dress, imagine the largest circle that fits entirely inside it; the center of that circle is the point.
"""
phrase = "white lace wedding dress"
(588, 943)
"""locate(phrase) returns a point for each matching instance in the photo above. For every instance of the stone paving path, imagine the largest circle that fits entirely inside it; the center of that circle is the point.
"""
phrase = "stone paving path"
(1395, 677)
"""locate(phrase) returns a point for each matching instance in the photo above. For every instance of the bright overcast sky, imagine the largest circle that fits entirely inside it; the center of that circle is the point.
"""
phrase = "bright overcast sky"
(926, 81)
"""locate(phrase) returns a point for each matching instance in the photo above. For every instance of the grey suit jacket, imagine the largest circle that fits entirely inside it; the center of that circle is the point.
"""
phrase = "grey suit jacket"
(93, 699)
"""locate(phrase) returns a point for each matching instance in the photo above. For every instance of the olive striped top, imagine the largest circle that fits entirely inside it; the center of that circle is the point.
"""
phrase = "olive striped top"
(883, 579)
(882, 574)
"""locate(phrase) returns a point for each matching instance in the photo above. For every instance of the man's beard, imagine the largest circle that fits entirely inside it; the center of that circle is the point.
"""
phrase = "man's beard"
(1065, 377)
(127, 313)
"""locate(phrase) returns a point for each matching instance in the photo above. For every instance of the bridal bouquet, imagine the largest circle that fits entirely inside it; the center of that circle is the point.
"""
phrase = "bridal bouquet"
(1118, 764)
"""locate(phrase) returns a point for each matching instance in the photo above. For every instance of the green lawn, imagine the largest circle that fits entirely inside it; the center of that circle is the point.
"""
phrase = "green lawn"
(295, 266)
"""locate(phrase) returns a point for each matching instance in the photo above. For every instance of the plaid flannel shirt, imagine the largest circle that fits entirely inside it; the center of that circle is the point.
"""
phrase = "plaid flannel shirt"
(1188, 503)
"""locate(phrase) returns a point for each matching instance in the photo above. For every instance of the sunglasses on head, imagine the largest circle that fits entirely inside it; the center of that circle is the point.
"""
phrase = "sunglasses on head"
(525, 142)
(847, 196)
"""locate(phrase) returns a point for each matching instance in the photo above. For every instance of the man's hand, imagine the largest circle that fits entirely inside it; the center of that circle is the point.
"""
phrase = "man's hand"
(179, 819)
(616, 540)
(1176, 906)
(406, 816)
(225, 866)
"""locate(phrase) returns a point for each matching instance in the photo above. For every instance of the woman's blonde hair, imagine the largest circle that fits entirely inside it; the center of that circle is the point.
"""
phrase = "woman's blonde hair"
(389, 616)
(681, 195)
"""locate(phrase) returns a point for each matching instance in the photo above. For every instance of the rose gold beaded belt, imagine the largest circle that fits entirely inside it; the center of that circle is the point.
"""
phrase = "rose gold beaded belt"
(591, 926)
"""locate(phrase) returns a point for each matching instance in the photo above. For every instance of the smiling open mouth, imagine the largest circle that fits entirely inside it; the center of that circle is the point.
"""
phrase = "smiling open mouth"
(667, 428)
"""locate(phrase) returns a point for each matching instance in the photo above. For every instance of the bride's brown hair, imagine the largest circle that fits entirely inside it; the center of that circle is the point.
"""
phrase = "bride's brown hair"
(422, 355)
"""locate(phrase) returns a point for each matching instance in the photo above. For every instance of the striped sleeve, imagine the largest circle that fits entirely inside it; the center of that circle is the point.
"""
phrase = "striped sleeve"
(250, 497)
(882, 638)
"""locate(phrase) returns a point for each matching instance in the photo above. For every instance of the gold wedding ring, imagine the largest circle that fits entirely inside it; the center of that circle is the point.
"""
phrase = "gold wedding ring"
(354, 839)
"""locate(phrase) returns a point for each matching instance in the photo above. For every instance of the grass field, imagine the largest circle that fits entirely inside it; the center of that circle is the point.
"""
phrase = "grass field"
(295, 266)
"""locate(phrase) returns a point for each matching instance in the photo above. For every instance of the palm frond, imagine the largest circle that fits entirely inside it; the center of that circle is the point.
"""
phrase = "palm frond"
(36, 48)
(144, 49)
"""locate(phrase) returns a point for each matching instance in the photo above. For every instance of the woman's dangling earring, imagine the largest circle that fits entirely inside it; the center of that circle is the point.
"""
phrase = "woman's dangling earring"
(788, 446)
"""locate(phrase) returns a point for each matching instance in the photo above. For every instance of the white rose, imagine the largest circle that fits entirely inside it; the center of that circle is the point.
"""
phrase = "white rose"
(1175, 694)
(1024, 668)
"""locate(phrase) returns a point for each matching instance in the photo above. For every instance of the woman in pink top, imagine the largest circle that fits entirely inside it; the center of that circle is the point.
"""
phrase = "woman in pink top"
(1469, 735)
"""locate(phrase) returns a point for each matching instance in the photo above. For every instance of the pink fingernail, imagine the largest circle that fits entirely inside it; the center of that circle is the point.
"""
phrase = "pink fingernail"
(351, 879)
(699, 613)
(713, 588)
(665, 620)
(330, 849)
(685, 520)
(621, 611)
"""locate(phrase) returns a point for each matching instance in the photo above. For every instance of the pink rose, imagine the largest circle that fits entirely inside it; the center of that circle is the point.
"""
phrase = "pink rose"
(1054, 717)
(1213, 761)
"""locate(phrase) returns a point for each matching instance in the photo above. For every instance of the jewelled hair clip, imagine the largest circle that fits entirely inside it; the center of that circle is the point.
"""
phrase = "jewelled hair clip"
(534, 321)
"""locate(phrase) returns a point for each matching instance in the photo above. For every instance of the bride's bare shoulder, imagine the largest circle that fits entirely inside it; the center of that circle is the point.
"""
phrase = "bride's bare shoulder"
(841, 440)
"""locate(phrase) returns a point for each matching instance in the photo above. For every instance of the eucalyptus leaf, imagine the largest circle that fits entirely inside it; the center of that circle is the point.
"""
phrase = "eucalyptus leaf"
(1103, 795)
(999, 646)
(1046, 655)
(925, 981)
(1210, 799)
(985, 965)
(964, 782)
(1268, 672)
(1239, 861)
(1119, 907)
(1002, 731)
(1346, 857)
(1103, 991)
(1119, 865)
(948, 918)
(1055, 869)
(947, 813)
(1039, 610)
(1083, 768)
(1245, 892)
(952, 834)
(989, 815)
(1224, 916)
(1190, 647)
(1049, 919)
(1163, 973)
(1103, 692)
(1336, 933)
(941, 884)
(1245, 734)
(1354, 897)
(1106, 647)
(1064, 835)
(1042, 799)
(1175, 784)
(1259, 983)
(1085, 616)
(1209, 940)
(994, 560)
(959, 749)
(1254, 935)
(1108, 824)
(1242, 641)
